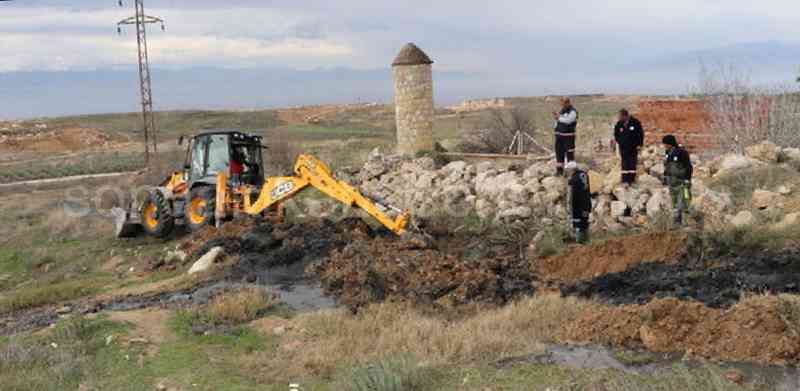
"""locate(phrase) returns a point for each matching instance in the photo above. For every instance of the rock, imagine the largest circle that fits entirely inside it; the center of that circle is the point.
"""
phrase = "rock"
(791, 154)
(139, 340)
(554, 183)
(161, 387)
(657, 170)
(596, 181)
(426, 163)
(658, 202)
(208, 259)
(765, 151)
(713, 203)
(734, 162)
(734, 376)
(788, 221)
(517, 193)
(64, 310)
(176, 256)
(763, 199)
(483, 167)
(743, 219)
(784, 190)
(613, 179)
(520, 212)
(627, 194)
(648, 182)
(457, 166)
(280, 330)
(618, 208)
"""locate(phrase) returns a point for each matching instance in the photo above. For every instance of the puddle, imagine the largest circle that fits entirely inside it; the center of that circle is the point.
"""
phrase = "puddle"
(779, 378)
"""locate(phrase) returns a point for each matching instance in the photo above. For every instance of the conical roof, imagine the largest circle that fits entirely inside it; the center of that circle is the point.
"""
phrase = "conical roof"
(410, 54)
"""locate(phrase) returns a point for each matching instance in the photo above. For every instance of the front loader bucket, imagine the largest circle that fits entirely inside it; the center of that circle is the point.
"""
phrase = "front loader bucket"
(123, 226)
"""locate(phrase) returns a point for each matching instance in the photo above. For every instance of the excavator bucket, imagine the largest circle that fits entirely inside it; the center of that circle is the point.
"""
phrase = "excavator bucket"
(124, 227)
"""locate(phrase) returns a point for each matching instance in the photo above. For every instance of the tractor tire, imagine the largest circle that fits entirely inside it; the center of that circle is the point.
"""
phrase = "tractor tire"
(200, 207)
(157, 218)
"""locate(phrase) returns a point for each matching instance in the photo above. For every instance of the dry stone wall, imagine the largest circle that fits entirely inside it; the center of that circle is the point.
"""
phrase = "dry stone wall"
(533, 194)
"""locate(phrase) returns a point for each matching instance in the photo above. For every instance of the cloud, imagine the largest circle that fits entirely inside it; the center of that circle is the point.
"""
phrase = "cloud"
(504, 38)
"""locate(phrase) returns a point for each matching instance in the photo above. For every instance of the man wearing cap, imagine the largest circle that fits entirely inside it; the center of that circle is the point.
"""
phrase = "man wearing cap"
(629, 135)
(580, 201)
(678, 171)
(566, 124)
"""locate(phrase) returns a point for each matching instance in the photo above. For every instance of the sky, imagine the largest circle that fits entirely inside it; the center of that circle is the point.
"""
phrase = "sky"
(312, 51)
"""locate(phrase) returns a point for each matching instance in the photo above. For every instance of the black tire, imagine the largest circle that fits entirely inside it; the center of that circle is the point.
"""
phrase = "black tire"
(157, 217)
(199, 208)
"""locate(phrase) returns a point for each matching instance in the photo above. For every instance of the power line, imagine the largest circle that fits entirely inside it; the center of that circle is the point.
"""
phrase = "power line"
(141, 20)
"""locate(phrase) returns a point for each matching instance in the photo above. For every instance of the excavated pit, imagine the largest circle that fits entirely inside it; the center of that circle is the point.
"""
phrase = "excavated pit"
(612, 256)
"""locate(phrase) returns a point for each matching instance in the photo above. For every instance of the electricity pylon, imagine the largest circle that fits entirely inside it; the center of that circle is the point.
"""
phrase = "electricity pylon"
(141, 21)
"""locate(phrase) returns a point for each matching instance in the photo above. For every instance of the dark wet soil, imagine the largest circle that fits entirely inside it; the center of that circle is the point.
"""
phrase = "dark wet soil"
(718, 284)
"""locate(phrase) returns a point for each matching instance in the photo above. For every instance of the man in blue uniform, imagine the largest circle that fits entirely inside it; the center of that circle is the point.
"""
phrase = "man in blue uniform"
(629, 135)
(580, 201)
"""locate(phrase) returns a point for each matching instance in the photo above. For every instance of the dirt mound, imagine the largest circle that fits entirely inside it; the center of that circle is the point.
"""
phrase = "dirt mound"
(612, 256)
(753, 330)
(44, 140)
(264, 246)
(388, 268)
(718, 284)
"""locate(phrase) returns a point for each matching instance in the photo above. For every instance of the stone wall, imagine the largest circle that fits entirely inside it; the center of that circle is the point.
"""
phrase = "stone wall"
(480, 104)
(414, 107)
(687, 119)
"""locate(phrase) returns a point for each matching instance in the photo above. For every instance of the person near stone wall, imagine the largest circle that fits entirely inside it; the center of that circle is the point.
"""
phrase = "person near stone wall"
(678, 171)
(580, 201)
(629, 136)
(566, 124)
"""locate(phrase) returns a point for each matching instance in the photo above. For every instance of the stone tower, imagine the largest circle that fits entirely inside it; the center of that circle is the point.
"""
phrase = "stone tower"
(413, 100)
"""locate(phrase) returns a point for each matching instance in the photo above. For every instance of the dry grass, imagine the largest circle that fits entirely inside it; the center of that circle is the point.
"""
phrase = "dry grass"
(789, 307)
(39, 295)
(335, 338)
(240, 306)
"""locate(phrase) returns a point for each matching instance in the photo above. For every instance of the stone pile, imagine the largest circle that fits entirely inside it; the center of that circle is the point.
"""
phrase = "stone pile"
(460, 189)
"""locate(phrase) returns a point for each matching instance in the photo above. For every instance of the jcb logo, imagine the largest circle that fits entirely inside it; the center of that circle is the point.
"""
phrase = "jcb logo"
(282, 190)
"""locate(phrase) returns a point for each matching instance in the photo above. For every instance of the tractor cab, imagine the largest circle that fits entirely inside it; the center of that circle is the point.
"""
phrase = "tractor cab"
(234, 153)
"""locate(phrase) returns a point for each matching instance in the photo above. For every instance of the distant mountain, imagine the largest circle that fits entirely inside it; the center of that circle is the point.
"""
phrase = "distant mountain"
(34, 94)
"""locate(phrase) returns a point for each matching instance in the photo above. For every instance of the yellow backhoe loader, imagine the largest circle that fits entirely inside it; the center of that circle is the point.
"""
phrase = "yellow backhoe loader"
(223, 177)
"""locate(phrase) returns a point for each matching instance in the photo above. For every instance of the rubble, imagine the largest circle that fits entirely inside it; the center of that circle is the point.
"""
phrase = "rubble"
(533, 192)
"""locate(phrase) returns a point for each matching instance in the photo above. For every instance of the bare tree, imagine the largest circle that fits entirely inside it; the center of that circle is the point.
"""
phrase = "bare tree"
(501, 130)
(743, 113)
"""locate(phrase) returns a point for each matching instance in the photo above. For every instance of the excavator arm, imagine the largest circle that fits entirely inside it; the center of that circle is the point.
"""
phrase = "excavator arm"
(310, 171)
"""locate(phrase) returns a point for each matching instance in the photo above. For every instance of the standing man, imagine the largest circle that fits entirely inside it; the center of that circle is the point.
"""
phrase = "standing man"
(629, 135)
(566, 123)
(580, 201)
(678, 171)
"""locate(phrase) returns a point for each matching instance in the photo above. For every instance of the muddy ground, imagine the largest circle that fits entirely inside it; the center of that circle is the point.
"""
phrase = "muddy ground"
(717, 283)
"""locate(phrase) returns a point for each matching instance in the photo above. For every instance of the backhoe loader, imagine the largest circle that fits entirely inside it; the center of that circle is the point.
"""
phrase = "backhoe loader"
(223, 177)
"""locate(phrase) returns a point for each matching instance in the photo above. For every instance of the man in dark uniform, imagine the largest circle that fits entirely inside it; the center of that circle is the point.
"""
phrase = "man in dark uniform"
(566, 123)
(629, 135)
(678, 171)
(580, 201)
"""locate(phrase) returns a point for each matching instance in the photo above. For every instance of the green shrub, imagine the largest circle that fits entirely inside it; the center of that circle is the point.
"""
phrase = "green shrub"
(393, 374)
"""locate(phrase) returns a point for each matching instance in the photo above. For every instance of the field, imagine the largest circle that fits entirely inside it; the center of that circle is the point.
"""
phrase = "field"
(476, 309)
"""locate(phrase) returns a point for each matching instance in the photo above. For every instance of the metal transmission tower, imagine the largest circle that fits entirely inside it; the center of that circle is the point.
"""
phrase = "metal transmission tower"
(141, 21)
